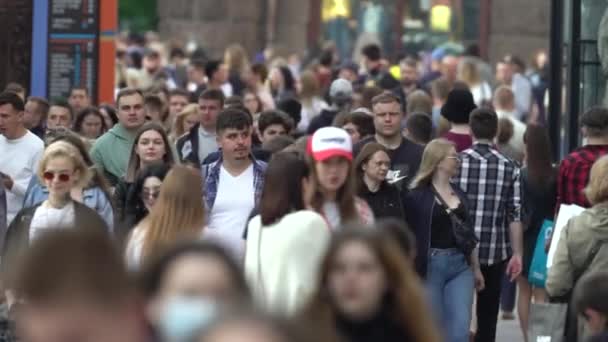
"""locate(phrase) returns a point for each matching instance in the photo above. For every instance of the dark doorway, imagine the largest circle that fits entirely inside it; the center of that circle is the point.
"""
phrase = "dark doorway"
(15, 41)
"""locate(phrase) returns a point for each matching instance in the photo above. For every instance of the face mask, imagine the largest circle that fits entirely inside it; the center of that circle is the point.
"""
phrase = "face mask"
(183, 317)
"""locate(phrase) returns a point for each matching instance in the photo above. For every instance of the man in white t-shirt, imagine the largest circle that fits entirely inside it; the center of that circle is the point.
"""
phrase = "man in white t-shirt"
(20, 152)
(504, 103)
(233, 184)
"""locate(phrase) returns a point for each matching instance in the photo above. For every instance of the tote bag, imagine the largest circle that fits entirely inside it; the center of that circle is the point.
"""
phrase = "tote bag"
(537, 276)
(546, 322)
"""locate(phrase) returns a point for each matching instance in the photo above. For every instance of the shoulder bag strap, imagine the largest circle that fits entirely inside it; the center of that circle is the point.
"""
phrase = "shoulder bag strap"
(446, 207)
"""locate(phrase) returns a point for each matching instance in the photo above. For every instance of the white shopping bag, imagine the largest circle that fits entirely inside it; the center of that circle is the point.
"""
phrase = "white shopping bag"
(566, 212)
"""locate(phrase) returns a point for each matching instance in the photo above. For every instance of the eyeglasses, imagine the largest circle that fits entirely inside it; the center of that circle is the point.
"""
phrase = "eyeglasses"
(50, 175)
(150, 194)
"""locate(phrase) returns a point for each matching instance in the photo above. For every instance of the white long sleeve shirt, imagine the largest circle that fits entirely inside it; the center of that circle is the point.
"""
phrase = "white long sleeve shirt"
(19, 159)
(282, 260)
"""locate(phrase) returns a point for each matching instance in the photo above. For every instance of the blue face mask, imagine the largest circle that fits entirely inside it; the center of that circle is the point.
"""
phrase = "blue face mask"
(182, 317)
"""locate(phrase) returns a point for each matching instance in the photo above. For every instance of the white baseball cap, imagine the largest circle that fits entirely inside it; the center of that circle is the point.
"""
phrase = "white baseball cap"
(329, 142)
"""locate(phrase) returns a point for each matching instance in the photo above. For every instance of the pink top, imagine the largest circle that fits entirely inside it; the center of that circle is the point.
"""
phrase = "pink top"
(462, 141)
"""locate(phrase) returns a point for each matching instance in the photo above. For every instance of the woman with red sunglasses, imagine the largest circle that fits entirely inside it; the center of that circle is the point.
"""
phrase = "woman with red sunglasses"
(61, 170)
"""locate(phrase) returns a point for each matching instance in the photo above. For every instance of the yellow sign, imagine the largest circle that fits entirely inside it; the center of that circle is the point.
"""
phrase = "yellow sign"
(333, 9)
(441, 16)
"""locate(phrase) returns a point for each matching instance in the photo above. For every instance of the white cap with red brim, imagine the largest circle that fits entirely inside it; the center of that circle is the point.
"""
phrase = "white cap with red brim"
(330, 142)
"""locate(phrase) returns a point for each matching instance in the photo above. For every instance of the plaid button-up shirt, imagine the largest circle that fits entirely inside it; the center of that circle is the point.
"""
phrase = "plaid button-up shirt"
(211, 180)
(492, 184)
(574, 174)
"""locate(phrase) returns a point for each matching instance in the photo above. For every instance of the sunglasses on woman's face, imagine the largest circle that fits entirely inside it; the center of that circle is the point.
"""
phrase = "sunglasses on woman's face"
(147, 194)
(50, 175)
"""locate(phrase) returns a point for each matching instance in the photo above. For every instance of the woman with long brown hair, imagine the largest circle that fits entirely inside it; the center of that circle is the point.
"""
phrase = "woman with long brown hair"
(150, 146)
(368, 292)
(178, 213)
(331, 154)
(539, 183)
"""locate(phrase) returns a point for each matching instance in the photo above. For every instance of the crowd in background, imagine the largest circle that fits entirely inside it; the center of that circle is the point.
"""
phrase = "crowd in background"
(240, 198)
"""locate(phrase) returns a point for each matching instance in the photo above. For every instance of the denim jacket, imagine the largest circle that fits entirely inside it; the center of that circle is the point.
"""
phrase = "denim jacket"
(93, 198)
(211, 180)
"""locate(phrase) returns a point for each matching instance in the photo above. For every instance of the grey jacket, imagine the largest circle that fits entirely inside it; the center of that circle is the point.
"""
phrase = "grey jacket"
(577, 240)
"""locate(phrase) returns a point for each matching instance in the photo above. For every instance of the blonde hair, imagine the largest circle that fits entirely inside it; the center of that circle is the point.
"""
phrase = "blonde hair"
(468, 73)
(597, 188)
(309, 86)
(178, 127)
(63, 149)
(236, 58)
(434, 152)
(179, 211)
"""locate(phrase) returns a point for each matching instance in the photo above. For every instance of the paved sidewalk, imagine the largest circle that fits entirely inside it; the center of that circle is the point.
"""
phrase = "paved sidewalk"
(509, 331)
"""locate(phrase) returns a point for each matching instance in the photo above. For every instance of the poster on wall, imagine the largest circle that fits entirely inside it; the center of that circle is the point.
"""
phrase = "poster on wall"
(73, 47)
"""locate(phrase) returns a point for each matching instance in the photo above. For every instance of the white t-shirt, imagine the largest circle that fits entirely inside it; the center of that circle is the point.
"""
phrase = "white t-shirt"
(332, 214)
(46, 218)
(519, 130)
(481, 92)
(19, 159)
(233, 204)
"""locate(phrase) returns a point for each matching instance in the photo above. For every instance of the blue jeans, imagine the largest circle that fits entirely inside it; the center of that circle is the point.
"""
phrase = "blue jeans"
(450, 283)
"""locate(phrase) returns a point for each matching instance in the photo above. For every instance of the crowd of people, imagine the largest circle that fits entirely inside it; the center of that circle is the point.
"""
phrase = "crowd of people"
(225, 200)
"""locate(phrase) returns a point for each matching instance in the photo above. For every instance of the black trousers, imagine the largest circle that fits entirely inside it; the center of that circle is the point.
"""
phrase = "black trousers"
(488, 302)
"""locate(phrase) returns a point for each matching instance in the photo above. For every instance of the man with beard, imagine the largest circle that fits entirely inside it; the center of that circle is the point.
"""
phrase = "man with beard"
(409, 81)
(234, 182)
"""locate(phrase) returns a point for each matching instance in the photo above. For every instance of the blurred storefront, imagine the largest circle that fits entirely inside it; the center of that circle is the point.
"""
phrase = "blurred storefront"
(399, 26)
(579, 59)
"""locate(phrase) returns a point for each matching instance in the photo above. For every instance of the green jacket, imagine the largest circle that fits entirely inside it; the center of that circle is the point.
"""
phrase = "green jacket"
(577, 240)
(111, 152)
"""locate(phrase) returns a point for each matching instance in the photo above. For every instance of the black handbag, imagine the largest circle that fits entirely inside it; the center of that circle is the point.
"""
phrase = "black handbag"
(464, 233)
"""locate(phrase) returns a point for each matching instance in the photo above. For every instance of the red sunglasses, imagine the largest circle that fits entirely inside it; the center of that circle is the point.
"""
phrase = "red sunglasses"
(49, 176)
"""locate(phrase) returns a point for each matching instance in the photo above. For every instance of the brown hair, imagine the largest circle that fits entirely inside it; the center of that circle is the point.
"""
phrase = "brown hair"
(345, 197)
(236, 58)
(385, 97)
(366, 153)
(538, 150)
(440, 88)
(597, 188)
(405, 299)
(310, 86)
(505, 131)
(595, 122)
(282, 191)
(469, 73)
(179, 211)
(419, 102)
(367, 94)
(58, 267)
(484, 123)
(128, 92)
(504, 97)
(134, 160)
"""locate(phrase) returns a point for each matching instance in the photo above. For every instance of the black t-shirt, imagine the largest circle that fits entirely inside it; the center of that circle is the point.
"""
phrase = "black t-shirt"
(405, 161)
(442, 232)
